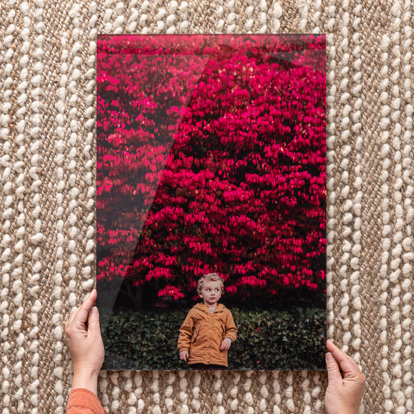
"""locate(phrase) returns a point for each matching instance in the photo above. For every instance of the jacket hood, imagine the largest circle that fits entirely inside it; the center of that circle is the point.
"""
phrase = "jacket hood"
(204, 308)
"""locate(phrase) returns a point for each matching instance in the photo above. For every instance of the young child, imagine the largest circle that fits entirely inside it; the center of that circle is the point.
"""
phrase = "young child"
(208, 330)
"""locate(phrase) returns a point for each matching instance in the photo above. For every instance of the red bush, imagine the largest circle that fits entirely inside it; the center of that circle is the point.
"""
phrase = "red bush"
(211, 157)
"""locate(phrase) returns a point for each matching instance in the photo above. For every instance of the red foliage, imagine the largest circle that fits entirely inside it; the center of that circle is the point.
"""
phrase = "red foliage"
(211, 157)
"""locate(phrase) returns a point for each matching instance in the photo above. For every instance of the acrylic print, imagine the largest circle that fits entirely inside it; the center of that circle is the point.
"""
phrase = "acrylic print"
(211, 198)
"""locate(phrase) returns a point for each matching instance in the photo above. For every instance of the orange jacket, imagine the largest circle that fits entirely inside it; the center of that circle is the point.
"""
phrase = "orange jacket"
(84, 401)
(202, 333)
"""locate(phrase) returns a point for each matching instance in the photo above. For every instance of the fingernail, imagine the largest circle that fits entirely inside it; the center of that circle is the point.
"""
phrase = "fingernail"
(95, 310)
(329, 356)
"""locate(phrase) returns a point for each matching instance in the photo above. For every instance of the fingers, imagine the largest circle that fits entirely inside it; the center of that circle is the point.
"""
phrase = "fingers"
(333, 369)
(347, 364)
(70, 319)
(184, 356)
(94, 327)
(81, 315)
(72, 315)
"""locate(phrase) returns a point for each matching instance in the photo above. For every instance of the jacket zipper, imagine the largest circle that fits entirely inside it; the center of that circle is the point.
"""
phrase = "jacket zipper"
(211, 333)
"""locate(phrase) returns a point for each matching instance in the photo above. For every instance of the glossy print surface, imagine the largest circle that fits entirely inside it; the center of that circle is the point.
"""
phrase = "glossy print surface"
(211, 154)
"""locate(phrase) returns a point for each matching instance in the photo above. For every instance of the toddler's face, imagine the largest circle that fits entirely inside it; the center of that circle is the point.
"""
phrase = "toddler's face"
(211, 292)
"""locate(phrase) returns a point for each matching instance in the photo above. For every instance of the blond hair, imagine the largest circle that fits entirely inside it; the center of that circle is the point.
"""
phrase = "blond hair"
(214, 277)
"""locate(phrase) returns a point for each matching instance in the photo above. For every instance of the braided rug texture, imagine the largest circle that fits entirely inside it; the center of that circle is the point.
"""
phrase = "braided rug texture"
(47, 205)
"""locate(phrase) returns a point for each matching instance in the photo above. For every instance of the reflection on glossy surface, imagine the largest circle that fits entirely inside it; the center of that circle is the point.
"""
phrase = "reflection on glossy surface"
(211, 156)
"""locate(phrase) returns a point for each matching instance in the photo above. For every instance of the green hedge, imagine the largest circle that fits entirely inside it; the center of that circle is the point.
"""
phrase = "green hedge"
(281, 340)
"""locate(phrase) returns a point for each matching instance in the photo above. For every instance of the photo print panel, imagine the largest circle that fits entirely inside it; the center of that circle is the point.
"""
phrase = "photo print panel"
(211, 201)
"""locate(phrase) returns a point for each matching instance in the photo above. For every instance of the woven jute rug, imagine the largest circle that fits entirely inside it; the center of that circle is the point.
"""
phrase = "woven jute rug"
(47, 207)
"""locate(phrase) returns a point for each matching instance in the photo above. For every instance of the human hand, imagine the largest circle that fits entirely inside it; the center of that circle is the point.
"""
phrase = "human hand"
(184, 355)
(343, 395)
(225, 345)
(85, 344)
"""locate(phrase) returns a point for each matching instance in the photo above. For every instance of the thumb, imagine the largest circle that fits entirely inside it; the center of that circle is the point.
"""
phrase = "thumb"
(333, 369)
(94, 327)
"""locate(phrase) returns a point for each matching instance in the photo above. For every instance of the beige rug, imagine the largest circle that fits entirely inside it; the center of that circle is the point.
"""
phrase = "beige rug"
(47, 207)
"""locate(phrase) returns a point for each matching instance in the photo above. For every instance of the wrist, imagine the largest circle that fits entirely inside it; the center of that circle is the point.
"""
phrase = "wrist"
(86, 379)
(83, 368)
